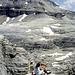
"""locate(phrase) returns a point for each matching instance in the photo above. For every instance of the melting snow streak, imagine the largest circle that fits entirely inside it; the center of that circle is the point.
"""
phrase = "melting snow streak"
(54, 54)
(22, 17)
(29, 30)
(6, 20)
(64, 57)
(55, 64)
(53, 26)
(43, 39)
(57, 24)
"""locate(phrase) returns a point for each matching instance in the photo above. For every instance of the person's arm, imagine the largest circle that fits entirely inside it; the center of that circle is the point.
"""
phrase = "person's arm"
(43, 65)
(32, 73)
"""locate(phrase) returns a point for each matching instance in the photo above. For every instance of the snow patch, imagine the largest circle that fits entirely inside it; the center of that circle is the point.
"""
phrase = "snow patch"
(55, 64)
(56, 3)
(24, 15)
(26, 2)
(13, 18)
(34, 13)
(57, 24)
(0, 4)
(48, 30)
(61, 7)
(54, 54)
(53, 27)
(64, 57)
(6, 20)
(48, 25)
(10, 24)
(46, 11)
(43, 55)
(29, 30)
(30, 36)
(1, 37)
(43, 39)
(13, 8)
(51, 19)
(36, 35)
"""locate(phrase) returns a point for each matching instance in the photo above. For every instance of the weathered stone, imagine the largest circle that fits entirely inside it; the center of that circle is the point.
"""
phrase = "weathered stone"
(40, 32)
(18, 64)
(65, 42)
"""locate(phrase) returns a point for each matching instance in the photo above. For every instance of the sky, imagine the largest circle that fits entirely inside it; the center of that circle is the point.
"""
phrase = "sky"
(67, 4)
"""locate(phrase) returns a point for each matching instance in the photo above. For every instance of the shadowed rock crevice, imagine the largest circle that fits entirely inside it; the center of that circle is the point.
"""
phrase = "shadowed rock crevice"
(65, 42)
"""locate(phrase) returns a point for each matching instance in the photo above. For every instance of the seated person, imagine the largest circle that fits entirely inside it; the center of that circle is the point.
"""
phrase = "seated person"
(38, 70)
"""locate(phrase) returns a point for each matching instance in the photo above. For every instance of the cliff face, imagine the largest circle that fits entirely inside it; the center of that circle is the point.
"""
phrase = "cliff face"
(38, 31)
(13, 60)
(14, 8)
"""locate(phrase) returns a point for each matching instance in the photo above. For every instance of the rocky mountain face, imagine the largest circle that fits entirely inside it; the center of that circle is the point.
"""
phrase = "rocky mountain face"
(36, 31)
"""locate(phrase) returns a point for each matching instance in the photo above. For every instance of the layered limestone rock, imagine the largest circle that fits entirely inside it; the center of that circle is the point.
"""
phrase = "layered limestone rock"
(3, 69)
(13, 60)
(17, 61)
(40, 31)
(43, 38)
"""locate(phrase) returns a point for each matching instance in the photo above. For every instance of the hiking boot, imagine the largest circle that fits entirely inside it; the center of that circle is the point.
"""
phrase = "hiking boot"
(48, 72)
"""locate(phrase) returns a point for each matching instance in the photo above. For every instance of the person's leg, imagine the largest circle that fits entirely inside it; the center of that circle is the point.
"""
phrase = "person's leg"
(46, 71)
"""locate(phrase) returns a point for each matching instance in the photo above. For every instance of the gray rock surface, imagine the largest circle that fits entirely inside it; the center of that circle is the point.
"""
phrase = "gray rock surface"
(13, 60)
(3, 69)
(41, 32)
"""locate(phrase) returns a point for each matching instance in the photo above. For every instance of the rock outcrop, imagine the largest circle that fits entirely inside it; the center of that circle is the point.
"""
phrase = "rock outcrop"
(13, 60)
